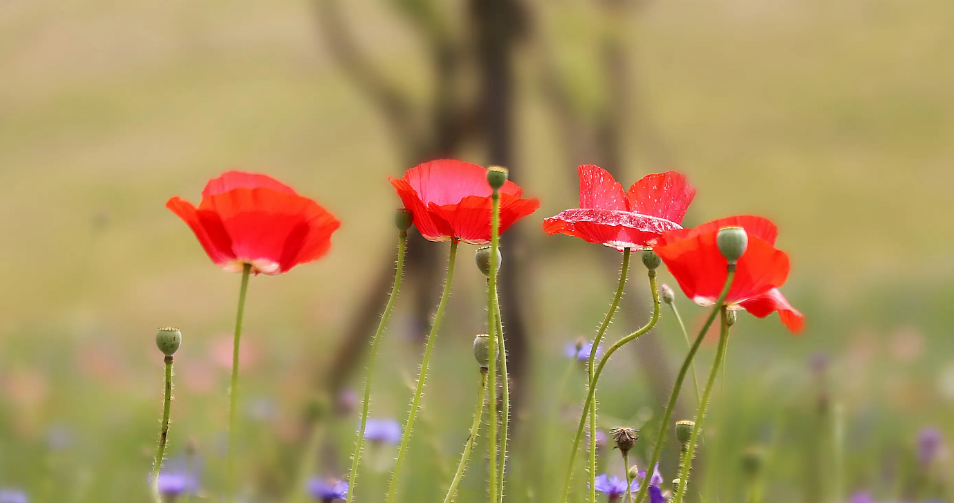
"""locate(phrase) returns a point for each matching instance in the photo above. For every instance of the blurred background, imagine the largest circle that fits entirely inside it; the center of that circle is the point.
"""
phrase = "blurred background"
(834, 119)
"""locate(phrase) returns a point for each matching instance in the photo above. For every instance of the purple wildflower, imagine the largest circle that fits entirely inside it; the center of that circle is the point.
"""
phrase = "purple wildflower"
(861, 497)
(13, 496)
(325, 490)
(655, 491)
(385, 431)
(175, 483)
(612, 487)
(930, 444)
(583, 353)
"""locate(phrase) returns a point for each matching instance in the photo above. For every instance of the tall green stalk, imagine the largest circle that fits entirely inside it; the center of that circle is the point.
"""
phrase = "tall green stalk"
(674, 396)
(415, 403)
(233, 390)
(505, 392)
(596, 376)
(471, 439)
(375, 342)
(701, 413)
(685, 334)
(492, 330)
(164, 430)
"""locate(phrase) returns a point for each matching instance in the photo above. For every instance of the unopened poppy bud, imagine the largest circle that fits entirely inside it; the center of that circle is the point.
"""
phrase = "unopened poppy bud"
(732, 243)
(752, 460)
(684, 431)
(403, 218)
(668, 296)
(482, 350)
(633, 472)
(497, 176)
(625, 438)
(168, 340)
(482, 256)
(651, 260)
(730, 318)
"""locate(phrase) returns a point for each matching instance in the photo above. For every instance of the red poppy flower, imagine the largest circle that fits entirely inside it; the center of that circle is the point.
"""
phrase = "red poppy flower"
(609, 216)
(450, 200)
(693, 257)
(247, 218)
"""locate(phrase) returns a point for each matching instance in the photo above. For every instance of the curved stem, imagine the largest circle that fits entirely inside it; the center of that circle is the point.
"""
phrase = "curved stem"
(375, 341)
(164, 430)
(664, 426)
(415, 403)
(596, 376)
(623, 273)
(682, 326)
(492, 331)
(505, 390)
(233, 390)
(701, 414)
(478, 416)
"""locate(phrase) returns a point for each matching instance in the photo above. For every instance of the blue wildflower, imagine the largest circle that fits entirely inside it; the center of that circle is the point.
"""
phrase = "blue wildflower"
(861, 497)
(612, 487)
(655, 483)
(175, 479)
(930, 444)
(583, 353)
(385, 431)
(13, 496)
(325, 490)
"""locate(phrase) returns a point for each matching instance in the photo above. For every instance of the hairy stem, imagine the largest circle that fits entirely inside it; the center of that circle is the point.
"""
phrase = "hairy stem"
(471, 438)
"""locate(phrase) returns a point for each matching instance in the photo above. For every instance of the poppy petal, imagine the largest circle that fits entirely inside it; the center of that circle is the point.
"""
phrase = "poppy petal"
(599, 190)
(664, 195)
(431, 226)
(310, 239)
(774, 301)
(616, 229)
(232, 180)
(754, 226)
(207, 228)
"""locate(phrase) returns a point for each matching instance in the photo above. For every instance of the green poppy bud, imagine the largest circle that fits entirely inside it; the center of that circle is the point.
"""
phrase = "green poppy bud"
(482, 350)
(668, 296)
(403, 218)
(168, 340)
(482, 256)
(684, 431)
(732, 243)
(752, 460)
(633, 472)
(497, 176)
(651, 260)
(731, 317)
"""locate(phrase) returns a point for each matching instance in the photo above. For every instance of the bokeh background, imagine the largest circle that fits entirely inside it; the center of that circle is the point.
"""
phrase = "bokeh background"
(834, 119)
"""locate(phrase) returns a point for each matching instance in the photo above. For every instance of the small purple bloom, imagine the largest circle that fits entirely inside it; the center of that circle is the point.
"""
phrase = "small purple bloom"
(582, 354)
(612, 487)
(861, 497)
(385, 431)
(13, 496)
(655, 493)
(324, 490)
(175, 483)
(930, 444)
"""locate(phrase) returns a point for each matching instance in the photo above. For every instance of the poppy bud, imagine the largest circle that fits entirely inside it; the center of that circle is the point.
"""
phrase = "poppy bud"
(651, 260)
(633, 472)
(625, 438)
(730, 318)
(403, 218)
(168, 340)
(482, 350)
(483, 259)
(732, 243)
(497, 176)
(752, 459)
(684, 431)
(668, 296)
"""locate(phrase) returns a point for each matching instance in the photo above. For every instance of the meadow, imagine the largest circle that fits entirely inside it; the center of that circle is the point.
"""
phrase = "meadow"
(833, 119)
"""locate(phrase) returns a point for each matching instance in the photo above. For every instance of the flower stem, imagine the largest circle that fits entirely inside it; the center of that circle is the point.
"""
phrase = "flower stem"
(505, 390)
(682, 326)
(629, 479)
(415, 403)
(471, 439)
(701, 413)
(375, 342)
(596, 376)
(492, 331)
(233, 390)
(667, 416)
(164, 431)
(623, 273)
